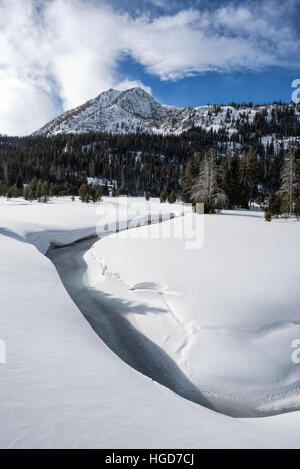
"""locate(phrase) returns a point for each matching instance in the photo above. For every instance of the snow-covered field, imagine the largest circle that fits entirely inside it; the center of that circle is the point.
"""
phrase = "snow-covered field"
(215, 324)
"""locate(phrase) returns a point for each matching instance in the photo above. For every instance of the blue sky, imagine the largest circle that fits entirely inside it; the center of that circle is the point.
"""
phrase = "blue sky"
(260, 86)
(57, 54)
(265, 84)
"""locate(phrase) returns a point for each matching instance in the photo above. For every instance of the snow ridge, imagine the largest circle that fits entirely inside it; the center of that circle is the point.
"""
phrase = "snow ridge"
(135, 110)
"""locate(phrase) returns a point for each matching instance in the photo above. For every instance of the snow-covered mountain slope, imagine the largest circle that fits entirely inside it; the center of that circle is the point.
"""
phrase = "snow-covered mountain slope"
(135, 110)
(112, 111)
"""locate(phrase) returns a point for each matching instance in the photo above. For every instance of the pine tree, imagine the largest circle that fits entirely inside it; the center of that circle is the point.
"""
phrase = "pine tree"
(95, 194)
(251, 172)
(163, 197)
(188, 180)
(172, 197)
(285, 207)
(39, 190)
(30, 194)
(86, 198)
(105, 189)
(33, 184)
(45, 191)
(268, 216)
(83, 192)
(289, 182)
(244, 189)
(206, 189)
(19, 182)
(232, 184)
(297, 207)
(26, 193)
(13, 192)
(275, 205)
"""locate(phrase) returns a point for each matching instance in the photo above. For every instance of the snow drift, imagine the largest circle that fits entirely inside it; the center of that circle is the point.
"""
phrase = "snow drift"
(226, 314)
(63, 388)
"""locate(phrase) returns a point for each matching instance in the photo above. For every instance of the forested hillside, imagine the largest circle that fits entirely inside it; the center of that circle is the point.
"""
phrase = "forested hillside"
(140, 163)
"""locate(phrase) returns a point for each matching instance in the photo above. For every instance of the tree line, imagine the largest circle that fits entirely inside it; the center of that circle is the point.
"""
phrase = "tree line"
(156, 165)
(234, 183)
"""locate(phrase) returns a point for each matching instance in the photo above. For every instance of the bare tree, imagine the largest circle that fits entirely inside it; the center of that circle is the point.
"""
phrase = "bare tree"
(289, 181)
(206, 187)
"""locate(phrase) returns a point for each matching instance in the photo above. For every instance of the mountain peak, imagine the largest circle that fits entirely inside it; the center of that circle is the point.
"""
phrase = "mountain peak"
(135, 110)
(113, 111)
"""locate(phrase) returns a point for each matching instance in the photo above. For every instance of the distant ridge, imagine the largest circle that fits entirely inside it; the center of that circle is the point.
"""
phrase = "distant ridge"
(135, 110)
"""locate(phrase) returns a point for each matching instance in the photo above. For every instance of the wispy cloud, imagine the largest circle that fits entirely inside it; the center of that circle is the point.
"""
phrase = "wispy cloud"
(59, 53)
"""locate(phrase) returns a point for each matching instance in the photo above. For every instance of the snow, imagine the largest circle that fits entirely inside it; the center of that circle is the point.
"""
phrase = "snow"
(102, 182)
(242, 322)
(278, 143)
(62, 387)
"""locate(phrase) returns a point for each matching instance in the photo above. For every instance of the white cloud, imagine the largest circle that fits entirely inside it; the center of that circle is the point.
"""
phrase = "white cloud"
(23, 106)
(67, 51)
(127, 84)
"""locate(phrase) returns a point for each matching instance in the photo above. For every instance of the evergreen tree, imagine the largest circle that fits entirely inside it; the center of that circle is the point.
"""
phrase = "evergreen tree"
(30, 194)
(19, 182)
(105, 189)
(86, 198)
(188, 180)
(95, 194)
(289, 182)
(172, 197)
(26, 193)
(232, 185)
(163, 197)
(275, 205)
(33, 184)
(206, 189)
(39, 190)
(83, 192)
(268, 216)
(297, 207)
(45, 191)
(285, 207)
(244, 189)
(13, 192)
(251, 172)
